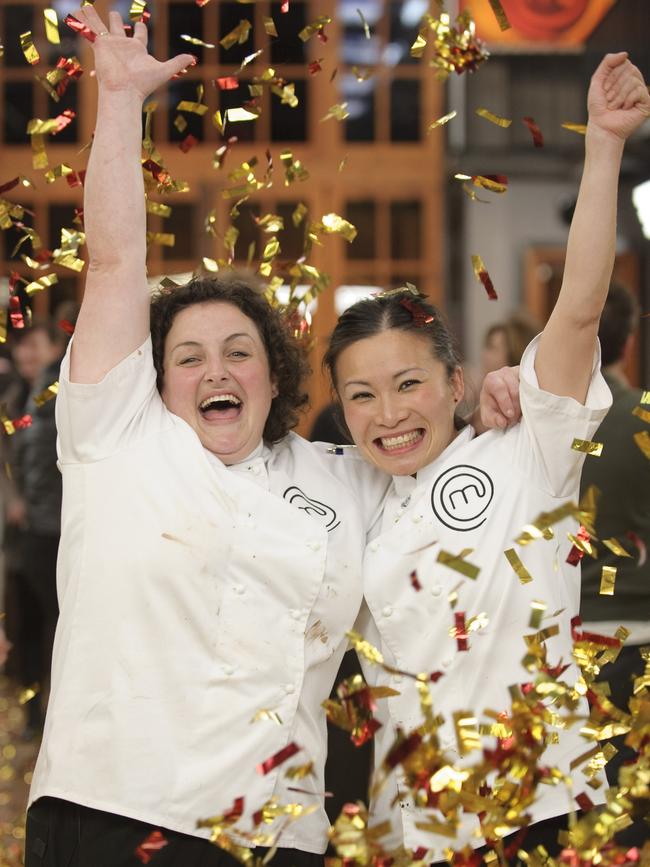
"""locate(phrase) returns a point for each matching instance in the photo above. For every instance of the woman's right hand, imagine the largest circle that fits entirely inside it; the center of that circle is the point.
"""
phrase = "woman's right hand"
(123, 63)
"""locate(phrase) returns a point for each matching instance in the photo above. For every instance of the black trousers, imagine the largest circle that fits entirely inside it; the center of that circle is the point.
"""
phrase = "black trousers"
(62, 834)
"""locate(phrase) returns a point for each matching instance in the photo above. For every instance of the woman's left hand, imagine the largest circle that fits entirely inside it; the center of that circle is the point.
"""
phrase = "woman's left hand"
(618, 99)
(499, 401)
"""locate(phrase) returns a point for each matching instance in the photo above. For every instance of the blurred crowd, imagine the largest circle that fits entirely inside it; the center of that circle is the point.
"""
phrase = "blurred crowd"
(30, 523)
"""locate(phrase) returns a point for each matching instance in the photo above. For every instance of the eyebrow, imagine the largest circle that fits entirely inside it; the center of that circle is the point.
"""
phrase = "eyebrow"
(395, 376)
(197, 343)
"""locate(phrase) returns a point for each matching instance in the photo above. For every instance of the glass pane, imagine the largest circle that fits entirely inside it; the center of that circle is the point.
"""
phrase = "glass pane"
(17, 20)
(287, 47)
(360, 97)
(248, 231)
(405, 110)
(357, 49)
(19, 110)
(290, 124)
(181, 223)
(363, 215)
(406, 230)
(404, 24)
(291, 237)
(185, 18)
(177, 91)
(244, 130)
(230, 14)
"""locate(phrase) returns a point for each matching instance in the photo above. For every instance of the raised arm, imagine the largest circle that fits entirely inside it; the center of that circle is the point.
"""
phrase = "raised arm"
(114, 317)
(618, 103)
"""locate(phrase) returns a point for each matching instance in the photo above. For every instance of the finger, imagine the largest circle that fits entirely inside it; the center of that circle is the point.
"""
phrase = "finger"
(513, 391)
(140, 32)
(607, 66)
(614, 75)
(91, 18)
(628, 93)
(492, 418)
(179, 63)
(630, 75)
(115, 24)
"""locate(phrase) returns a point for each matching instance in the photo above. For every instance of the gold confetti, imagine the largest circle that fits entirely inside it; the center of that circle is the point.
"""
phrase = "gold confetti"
(364, 23)
(442, 120)
(138, 10)
(588, 447)
(239, 34)
(194, 40)
(47, 394)
(615, 547)
(60, 171)
(493, 118)
(645, 398)
(607, 580)
(315, 27)
(536, 614)
(467, 735)
(269, 26)
(500, 14)
(338, 111)
(240, 115)
(28, 693)
(194, 107)
(458, 564)
(165, 239)
(641, 413)
(333, 224)
(262, 713)
(580, 128)
(158, 208)
(642, 439)
(520, 570)
(299, 772)
(29, 49)
(51, 26)
(298, 214)
(42, 283)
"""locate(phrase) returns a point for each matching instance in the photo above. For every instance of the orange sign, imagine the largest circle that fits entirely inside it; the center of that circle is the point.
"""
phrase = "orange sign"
(539, 22)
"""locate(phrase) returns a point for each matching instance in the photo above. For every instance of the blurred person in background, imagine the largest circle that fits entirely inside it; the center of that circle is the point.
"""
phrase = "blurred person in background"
(504, 342)
(622, 476)
(36, 509)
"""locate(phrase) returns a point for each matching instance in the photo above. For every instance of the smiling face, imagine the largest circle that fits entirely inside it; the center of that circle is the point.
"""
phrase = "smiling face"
(217, 378)
(398, 400)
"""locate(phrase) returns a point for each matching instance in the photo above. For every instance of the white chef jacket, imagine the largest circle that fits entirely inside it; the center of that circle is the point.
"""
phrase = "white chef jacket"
(479, 494)
(192, 596)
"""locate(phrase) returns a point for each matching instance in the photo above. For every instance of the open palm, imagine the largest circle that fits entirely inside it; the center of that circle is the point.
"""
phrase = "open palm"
(123, 63)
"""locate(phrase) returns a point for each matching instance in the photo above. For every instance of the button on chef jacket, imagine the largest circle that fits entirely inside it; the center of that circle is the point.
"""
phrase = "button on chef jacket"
(479, 494)
(192, 597)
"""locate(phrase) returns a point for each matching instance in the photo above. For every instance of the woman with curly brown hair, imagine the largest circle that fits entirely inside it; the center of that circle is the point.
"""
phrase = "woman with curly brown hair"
(210, 560)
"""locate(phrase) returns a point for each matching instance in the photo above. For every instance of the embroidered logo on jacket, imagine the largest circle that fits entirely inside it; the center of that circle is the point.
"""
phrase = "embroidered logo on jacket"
(313, 508)
(460, 497)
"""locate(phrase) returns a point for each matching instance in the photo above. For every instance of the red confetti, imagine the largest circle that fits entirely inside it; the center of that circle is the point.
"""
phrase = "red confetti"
(22, 422)
(314, 67)
(535, 131)
(576, 554)
(188, 143)
(64, 119)
(76, 179)
(66, 326)
(82, 29)
(322, 35)
(594, 637)
(236, 811)
(398, 753)
(280, 757)
(461, 630)
(485, 279)
(153, 843)
(9, 185)
(16, 313)
(414, 581)
(159, 173)
(228, 82)
(362, 734)
(420, 316)
(285, 6)
(584, 801)
(640, 546)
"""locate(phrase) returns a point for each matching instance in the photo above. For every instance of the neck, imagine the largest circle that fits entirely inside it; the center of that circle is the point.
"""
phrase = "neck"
(617, 372)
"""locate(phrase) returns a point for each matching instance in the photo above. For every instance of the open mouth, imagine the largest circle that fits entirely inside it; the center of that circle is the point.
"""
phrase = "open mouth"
(220, 407)
(399, 443)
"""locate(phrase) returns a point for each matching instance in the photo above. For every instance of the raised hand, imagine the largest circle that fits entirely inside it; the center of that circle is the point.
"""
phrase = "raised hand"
(499, 402)
(618, 99)
(123, 63)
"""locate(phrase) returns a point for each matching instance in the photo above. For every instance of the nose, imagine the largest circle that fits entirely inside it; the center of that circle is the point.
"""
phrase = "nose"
(216, 371)
(390, 411)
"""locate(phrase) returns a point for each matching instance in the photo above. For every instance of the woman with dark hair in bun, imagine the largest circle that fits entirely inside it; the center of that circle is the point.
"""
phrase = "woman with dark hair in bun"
(399, 381)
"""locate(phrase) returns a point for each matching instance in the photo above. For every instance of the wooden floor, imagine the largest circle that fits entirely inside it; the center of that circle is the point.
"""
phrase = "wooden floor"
(16, 763)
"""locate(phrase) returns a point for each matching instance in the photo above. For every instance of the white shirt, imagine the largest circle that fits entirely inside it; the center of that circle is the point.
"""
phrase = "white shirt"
(192, 596)
(479, 494)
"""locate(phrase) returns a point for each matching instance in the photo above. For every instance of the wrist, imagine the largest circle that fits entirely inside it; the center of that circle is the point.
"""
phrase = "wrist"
(599, 139)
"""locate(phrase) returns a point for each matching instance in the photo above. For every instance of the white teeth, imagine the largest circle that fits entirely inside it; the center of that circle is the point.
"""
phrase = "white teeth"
(219, 398)
(400, 440)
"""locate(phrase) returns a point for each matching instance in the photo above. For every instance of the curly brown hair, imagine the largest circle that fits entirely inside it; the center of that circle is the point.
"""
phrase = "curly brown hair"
(286, 356)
